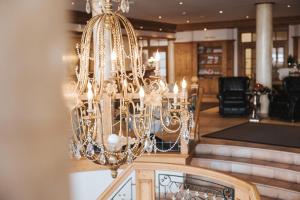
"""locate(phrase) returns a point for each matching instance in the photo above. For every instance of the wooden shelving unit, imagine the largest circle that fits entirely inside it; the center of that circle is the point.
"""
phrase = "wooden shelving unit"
(214, 59)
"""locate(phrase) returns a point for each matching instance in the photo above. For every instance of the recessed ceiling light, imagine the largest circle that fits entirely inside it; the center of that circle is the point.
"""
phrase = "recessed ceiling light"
(141, 27)
(180, 3)
(160, 29)
(187, 21)
(159, 17)
(221, 11)
(184, 13)
(73, 3)
(247, 17)
(205, 29)
(288, 5)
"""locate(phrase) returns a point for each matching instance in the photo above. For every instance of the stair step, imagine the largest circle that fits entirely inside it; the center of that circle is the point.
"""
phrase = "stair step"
(268, 198)
(249, 152)
(272, 188)
(268, 169)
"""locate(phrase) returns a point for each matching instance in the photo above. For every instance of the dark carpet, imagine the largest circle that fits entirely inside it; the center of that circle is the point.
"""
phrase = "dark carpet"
(270, 134)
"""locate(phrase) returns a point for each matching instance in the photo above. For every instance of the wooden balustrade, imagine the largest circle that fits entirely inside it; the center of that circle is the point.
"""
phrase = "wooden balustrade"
(145, 180)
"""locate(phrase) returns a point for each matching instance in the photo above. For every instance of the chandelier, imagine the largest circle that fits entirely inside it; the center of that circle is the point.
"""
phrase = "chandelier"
(118, 108)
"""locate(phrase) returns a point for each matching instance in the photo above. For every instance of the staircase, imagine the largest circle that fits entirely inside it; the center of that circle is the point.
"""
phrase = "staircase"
(275, 172)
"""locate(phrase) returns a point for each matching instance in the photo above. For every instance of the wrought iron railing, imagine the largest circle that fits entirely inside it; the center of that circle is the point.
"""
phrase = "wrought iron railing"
(173, 187)
(126, 191)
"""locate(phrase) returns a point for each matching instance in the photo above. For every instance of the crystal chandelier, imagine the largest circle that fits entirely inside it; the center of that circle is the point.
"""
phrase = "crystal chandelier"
(118, 109)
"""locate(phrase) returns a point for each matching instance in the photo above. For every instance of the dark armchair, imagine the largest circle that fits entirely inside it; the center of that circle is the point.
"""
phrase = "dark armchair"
(233, 96)
(285, 104)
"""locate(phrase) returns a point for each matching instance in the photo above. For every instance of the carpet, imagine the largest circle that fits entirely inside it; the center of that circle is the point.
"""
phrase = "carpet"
(270, 134)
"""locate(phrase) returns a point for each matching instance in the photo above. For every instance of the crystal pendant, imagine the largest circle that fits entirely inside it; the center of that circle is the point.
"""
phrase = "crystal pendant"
(148, 146)
(102, 159)
(90, 150)
(88, 7)
(167, 120)
(186, 135)
(77, 149)
(129, 157)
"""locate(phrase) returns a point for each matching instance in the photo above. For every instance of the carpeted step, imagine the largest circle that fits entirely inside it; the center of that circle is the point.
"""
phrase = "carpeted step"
(268, 169)
(248, 150)
(272, 188)
(268, 198)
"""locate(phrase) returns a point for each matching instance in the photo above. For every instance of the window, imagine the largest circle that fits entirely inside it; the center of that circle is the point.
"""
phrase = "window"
(246, 37)
(248, 62)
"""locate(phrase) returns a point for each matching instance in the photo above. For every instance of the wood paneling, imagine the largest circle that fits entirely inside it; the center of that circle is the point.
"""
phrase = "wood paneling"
(185, 60)
(78, 17)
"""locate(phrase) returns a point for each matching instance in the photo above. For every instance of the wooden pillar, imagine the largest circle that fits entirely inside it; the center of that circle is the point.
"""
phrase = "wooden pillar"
(145, 184)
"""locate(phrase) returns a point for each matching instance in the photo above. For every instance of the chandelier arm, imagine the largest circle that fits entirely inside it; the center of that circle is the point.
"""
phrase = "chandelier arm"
(165, 127)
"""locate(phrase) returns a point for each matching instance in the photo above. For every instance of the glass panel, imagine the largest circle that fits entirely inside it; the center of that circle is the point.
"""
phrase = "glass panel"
(154, 42)
(253, 37)
(274, 56)
(157, 42)
(143, 43)
(248, 62)
(281, 35)
(280, 56)
(246, 37)
(162, 63)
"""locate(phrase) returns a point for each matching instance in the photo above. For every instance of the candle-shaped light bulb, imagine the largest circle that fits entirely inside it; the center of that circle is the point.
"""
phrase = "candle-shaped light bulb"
(157, 56)
(90, 96)
(125, 83)
(184, 85)
(162, 85)
(142, 95)
(175, 90)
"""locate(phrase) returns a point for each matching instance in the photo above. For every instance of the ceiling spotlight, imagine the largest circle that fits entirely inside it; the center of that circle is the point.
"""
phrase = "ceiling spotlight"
(184, 13)
(73, 3)
(160, 29)
(187, 21)
(205, 29)
(141, 27)
(221, 11)
(180, 3)
(288, 6)
(159, 17)
(247, 17)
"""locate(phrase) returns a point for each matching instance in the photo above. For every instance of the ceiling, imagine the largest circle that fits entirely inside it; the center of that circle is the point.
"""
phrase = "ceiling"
(199, 11)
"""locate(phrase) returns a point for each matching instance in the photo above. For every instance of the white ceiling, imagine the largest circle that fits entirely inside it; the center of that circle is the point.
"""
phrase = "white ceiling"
(199, 10)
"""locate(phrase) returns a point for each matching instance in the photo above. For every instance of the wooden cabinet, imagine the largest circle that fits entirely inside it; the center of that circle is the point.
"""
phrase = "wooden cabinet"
(207, 60)
(185, 55)
(214, 59)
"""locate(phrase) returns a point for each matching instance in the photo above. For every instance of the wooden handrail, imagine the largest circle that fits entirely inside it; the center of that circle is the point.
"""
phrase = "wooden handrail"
(243, 189)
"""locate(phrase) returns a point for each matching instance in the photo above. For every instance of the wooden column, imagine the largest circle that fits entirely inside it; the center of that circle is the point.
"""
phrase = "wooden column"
(145, 184)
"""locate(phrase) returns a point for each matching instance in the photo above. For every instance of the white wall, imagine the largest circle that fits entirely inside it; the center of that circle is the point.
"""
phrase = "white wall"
(89, 185)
